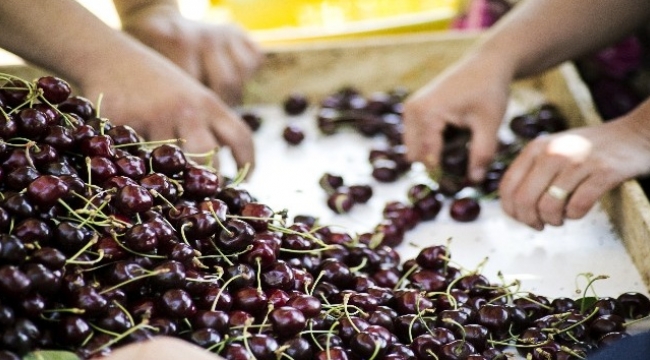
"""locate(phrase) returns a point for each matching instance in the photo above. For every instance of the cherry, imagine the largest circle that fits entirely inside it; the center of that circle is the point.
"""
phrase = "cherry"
(102, 168)
(205, 337)
(46, 190)
(55, 90)
(367, 344)
(278, 276)
(131, 166)
(89, 300)
(115, 320)
(124, 135)
(98, 145)
(133, 199)
(177, 303)
(385, 170)
(454, 160)
(298, 348)
(295, 104)
(332, 353)
(456, 350)
(433, 257)
(330, 182)
(236, 236)
(21, 177)
(309, 305)
(465, 209)
(263, 346)
(78, 105)
(31, 122)
(340, 201)
(71, 237)
(258, 215)
(254, 121)
(635, 305)
(494, 317)
(200, 182)
(73, 330)
(168, 159)
(428, 280)
(412, 302)
(293, 134)
(217, 320)
(360, 193)
(605, 324)
(287, 321)
(14, 92)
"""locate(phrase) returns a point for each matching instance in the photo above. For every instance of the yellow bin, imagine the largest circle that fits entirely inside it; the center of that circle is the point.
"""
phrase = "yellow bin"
(297, 20)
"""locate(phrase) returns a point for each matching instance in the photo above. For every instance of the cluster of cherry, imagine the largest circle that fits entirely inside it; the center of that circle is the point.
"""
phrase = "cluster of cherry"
(107, 240)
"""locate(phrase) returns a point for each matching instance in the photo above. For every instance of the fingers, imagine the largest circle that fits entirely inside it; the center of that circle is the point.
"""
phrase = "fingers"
(235, 134)
(554, 178)
(161, 348)
(423, 136)
(523, 184)
(229, 63)
(481, 151)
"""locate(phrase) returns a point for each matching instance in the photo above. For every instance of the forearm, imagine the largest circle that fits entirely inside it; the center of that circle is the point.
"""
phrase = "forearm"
(539, 34)
(65, 38)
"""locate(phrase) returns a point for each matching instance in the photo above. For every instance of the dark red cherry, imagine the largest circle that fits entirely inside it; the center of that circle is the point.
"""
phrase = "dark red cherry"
(78, 105)
(295, 104)
(200, 182)
(47, 190)
(293, 134)
(168, 159)
(465, 209)
(635, 305)
(287, 321)
(254, 121)
(55, 90)
(32, 123)
(330, 182)
(177, 303)
(340, 201)
(133, 199)
(236, 236)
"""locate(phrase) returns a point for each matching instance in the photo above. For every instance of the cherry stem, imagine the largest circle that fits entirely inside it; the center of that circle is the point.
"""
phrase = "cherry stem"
(87, 246)
(135, 278)
(143, 324)
(225, 284)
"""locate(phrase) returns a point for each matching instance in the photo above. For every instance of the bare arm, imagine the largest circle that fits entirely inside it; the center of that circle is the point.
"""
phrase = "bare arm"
(539, 34)
(139, 86)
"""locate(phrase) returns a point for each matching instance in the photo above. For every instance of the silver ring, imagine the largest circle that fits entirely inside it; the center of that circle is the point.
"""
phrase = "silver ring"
(557, 193)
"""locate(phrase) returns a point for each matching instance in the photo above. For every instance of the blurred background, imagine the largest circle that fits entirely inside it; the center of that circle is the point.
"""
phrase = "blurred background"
(618, 76)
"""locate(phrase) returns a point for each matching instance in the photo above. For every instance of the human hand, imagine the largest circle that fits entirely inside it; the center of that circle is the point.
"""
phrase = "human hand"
(160, 101)
(161, 348)
(222, 57)
(581, 164)
(471, 95)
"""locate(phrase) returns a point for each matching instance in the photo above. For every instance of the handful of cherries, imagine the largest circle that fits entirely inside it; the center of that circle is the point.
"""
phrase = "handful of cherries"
(107, 240)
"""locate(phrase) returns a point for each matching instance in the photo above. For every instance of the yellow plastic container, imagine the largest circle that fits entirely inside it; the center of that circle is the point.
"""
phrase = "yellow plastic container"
(298, 20)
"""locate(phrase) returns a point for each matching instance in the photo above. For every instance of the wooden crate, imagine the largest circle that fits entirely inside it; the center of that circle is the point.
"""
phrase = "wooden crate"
(319, 68)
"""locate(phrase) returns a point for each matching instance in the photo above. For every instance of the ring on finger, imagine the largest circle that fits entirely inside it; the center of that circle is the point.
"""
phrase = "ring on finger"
(557, 192)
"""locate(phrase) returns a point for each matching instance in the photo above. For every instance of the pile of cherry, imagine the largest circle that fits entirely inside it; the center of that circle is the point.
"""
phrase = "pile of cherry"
(107, 240)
